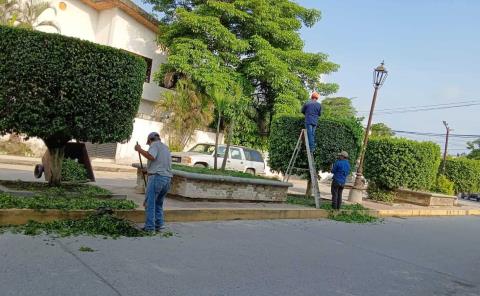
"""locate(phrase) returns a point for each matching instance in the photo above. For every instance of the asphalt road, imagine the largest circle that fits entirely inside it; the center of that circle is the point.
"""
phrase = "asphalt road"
(430, 256)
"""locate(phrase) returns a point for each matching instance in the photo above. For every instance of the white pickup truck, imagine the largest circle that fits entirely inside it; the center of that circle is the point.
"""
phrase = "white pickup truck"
(239, 159)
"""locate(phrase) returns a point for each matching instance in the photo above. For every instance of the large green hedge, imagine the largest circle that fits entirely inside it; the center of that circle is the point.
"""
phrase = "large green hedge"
(465, 173)
(392, 163)
(332, 137)
(59, 88)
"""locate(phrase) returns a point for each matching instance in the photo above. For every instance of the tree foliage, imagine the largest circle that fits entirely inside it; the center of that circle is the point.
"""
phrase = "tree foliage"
(392, 163)
(474, 148)
(338, 107)
(332, 137)
(381, 130)
(26, 13)
(59, 88)
(189, 110)
(254, 44)
(465, 174)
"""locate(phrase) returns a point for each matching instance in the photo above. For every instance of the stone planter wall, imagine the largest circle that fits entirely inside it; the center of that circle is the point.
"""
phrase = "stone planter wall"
(211, 187)
(424, 198)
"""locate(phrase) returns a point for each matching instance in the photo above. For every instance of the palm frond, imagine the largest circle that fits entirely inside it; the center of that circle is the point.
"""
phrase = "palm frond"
(49, 24)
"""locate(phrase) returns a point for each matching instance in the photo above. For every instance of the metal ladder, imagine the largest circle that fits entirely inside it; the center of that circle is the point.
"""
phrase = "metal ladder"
(311, 167)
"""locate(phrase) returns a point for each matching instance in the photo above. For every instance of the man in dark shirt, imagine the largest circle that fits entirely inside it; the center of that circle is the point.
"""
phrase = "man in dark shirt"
(312, 110)
(340, 170)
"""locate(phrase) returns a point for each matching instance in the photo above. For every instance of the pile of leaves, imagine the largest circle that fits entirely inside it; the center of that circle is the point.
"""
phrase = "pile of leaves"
(106, 225)
(73, 171)
(355, 213)
(43, 202)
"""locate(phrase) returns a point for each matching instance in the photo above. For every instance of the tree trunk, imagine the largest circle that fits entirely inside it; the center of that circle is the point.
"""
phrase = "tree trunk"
(309, 188)
(56, 160)
(229, 141)
(216, 140)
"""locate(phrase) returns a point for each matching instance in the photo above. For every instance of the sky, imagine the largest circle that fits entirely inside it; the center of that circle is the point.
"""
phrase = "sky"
(431, 50)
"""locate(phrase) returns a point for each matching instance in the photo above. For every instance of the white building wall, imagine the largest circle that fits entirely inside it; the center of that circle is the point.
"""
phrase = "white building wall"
(78, 20)
(141, 128)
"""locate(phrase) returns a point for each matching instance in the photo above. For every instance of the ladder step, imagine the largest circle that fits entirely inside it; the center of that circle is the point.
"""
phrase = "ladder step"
(301, 169)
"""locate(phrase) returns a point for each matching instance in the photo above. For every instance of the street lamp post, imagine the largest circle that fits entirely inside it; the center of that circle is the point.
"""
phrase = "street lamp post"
(379, 75)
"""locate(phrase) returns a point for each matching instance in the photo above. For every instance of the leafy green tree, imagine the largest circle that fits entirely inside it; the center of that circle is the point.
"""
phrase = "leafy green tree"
(8, 12)
(189, 110)
(59, 88)
(474, 148)
(338, 107)
(381, 130)
(253, 44)
(25, 14)
(29, 12)
(222, 101)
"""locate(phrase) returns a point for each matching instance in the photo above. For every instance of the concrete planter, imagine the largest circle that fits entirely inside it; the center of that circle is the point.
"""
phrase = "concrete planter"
(213, 187)
(424, 198)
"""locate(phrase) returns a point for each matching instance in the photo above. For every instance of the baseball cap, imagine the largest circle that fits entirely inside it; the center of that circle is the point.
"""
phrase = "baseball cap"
(344, 154)
(153, 136)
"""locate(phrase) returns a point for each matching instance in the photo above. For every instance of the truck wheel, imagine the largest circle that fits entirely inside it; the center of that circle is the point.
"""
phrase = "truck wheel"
(38, 172)
(250, 171)
(200, 165)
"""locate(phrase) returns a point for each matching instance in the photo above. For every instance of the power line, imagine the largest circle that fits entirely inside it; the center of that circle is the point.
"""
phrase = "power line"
(425, 106)
(430, 134)
(426, 109)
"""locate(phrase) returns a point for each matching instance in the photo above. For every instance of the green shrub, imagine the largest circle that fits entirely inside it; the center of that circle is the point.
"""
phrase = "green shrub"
(380, 194)
(464, 173)
(392, 163)
(60, 88)
(332, 137)
(444, 185)
(73, 171)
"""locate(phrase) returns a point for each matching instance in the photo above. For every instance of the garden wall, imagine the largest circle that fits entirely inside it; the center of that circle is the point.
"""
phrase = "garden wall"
(212, 187)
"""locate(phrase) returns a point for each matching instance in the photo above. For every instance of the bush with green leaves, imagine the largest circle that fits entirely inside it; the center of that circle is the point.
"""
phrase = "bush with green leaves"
(73, 171)
(464, 173)
(332, 137)
(60, 88)
(444, 185)
(380, 194)
(392, 163)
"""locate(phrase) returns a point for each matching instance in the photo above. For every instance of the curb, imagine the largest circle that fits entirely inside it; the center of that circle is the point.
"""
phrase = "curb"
(22, 216)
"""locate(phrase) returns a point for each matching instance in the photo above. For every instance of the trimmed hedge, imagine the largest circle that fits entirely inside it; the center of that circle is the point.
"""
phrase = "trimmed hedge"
(59, 88)
(464, 173)
(332, 137)
(392, 163)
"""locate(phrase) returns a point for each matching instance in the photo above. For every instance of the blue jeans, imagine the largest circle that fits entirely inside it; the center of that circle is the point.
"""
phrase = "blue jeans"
(155, 193)
(311, 136)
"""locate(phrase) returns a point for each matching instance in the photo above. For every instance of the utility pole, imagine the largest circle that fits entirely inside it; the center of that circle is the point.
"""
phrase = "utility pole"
(446, 145)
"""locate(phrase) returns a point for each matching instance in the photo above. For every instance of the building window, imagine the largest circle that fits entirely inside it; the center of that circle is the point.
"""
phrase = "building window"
(149, 69)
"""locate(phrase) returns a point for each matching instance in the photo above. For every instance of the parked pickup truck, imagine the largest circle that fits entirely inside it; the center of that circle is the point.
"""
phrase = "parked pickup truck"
(239, 159)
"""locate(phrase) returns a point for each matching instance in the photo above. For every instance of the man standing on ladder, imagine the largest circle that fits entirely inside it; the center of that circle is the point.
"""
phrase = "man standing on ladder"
(312, 111)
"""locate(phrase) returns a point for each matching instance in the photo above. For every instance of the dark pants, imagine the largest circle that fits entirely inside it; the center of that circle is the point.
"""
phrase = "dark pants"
(311, 136)
(337, 191)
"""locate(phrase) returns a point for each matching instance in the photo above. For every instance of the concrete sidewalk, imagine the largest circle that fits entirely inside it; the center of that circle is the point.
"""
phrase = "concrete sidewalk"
(98, 165)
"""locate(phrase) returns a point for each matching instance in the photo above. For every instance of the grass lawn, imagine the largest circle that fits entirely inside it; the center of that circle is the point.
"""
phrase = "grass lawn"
(66, 197)
(208, 171)
(63, 190)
